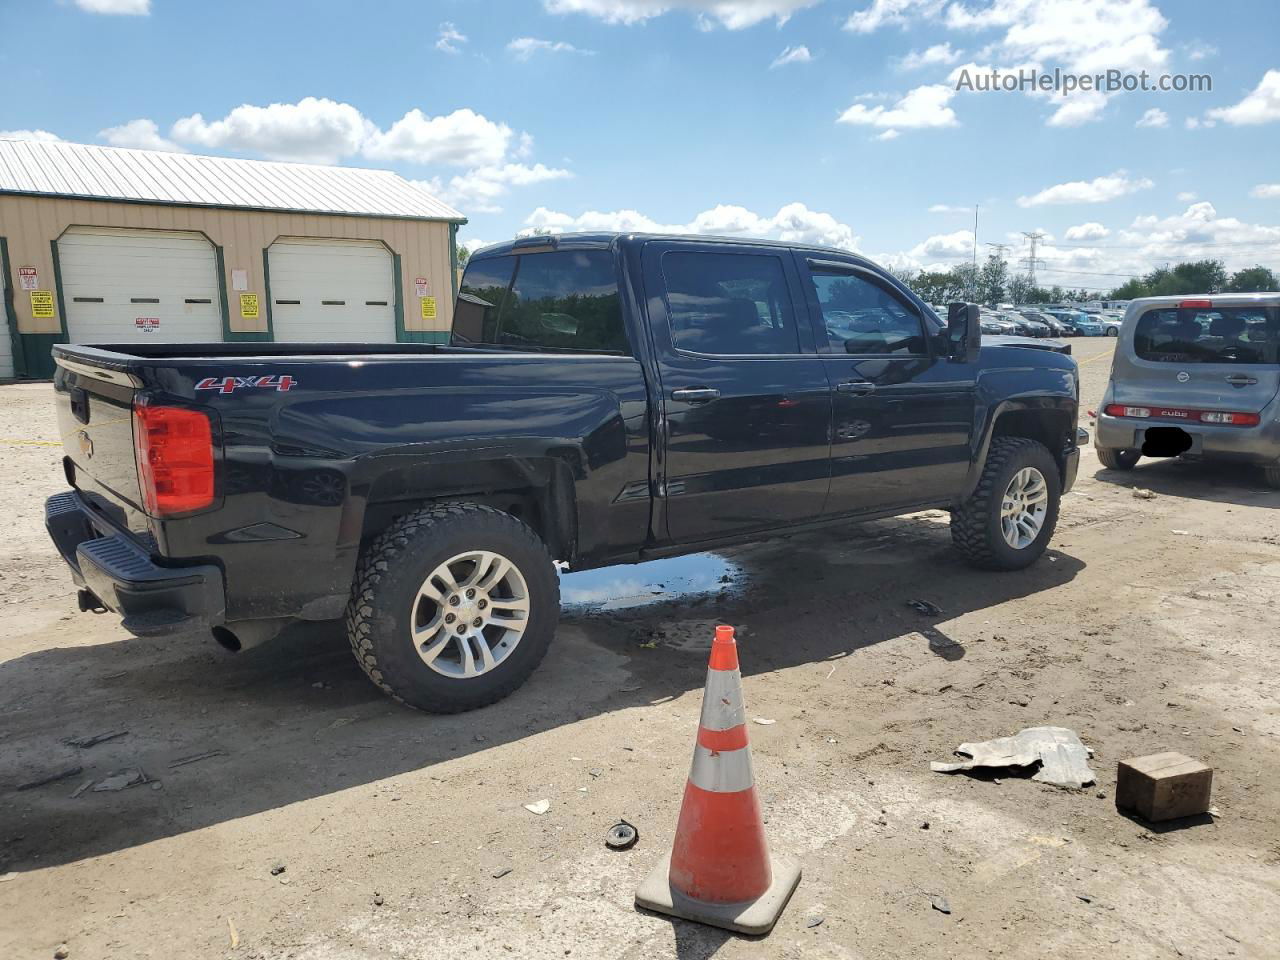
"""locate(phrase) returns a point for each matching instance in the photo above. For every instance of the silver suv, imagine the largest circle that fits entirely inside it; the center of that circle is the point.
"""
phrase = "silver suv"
(1195, 377)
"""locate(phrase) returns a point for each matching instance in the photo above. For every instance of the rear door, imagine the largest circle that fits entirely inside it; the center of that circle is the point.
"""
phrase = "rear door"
(902, 413)
(1200, 357)
(747, 405)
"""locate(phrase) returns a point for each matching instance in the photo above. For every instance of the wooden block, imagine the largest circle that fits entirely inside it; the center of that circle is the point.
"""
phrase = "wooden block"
(1163, 786)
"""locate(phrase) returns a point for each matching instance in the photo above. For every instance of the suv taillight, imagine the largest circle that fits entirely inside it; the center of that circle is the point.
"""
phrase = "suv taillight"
(174, 450)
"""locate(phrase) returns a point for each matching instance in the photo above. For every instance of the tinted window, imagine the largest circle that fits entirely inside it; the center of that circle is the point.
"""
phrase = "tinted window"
(729, 303)
(1220, 335)
(863, 317)
(566, 300)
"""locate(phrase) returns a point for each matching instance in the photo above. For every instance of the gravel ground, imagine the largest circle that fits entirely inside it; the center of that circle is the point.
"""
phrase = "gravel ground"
(1150, 626)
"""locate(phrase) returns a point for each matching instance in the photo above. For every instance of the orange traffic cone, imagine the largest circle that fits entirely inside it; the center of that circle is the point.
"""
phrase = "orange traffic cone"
(719, 871)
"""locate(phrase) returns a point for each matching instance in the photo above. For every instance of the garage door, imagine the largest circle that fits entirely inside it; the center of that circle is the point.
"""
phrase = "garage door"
(341, 290)
(131, 285)
(6, 340)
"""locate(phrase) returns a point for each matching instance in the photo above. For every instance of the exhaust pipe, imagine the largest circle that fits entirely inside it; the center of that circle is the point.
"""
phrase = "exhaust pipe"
(247, 634)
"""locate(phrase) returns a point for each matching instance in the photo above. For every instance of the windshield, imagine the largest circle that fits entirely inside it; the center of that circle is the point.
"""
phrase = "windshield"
(1219, 335)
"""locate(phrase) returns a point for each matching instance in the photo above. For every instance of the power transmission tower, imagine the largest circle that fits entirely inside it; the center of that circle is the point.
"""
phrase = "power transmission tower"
(1031, 260)
(998, 249)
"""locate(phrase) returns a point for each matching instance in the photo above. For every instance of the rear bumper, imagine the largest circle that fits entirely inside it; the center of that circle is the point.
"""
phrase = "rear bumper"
(152, 600)
(1259, 444)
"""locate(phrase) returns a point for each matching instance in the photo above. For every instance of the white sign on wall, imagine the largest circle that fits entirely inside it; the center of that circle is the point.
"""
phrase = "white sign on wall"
(28, 277)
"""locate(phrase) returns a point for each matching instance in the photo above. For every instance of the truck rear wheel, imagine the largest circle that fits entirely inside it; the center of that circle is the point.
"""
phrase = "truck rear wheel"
(1007, 522)
(1118, 459)
(453, 607)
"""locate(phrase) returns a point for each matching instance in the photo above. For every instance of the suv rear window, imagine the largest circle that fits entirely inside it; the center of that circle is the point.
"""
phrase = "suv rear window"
(566, 300)
(1218, 335)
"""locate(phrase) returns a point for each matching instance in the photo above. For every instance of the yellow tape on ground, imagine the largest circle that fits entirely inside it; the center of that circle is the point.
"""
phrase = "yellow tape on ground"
(32, 443)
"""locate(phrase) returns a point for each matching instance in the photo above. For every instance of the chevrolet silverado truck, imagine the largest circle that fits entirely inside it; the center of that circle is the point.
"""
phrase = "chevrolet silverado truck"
(603, 399)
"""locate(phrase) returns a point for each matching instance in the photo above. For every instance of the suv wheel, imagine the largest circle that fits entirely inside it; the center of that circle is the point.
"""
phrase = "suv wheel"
(1007, 522)
(1118, 459)
(1272, 475)
(453, 607)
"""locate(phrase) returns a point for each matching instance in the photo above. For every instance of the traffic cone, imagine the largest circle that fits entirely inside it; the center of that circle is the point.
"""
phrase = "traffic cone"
(719, 871)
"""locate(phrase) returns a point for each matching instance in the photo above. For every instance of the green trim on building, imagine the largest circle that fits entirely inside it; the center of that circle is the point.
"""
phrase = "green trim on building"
(397, 279)
(453, 275)
(222, 291)
(36, 347)
(260, 336)
(11, 312)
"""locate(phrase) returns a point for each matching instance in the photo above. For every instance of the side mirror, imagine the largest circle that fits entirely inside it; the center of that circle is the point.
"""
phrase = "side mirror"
(964, 331)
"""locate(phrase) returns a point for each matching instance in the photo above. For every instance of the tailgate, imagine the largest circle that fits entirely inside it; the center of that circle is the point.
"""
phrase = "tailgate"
(95, 423)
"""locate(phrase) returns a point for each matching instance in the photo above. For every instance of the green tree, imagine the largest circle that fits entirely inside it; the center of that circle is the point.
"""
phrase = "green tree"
(463, 256)
(992, 280)
(1129, 290)
(1020, 288)
(1252, 280)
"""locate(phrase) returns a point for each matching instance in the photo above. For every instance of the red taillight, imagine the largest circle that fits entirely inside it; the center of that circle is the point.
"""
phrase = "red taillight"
(174, 450)
(1195, 304)
(1231, 418)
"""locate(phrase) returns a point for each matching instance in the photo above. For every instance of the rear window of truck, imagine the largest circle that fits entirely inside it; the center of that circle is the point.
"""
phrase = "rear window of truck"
(565, 300)
(1203, 335)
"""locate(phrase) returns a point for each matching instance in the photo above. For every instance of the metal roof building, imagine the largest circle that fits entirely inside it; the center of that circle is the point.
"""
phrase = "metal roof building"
(107, 245)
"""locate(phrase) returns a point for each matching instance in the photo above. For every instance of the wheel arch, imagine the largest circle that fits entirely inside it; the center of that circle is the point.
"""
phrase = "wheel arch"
(1048, 419)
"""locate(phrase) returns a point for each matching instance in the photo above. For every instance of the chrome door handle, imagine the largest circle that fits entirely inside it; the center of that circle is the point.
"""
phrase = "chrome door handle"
(1240, 380)
(859, 387)
(695, 394)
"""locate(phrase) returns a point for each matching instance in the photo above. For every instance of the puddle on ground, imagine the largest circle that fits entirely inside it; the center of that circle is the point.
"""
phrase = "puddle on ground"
(655, 581)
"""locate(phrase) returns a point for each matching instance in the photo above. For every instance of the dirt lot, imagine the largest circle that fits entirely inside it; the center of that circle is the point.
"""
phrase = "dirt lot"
(1151, 626)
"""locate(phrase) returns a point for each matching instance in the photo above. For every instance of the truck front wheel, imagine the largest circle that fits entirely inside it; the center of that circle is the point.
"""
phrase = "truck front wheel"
(453, 607)
(1007, 522)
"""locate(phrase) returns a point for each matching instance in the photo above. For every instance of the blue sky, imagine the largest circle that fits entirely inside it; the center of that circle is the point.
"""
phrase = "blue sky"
(833, 121)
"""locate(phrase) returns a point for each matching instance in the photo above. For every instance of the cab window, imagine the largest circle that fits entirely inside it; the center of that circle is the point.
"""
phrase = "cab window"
(861, 316)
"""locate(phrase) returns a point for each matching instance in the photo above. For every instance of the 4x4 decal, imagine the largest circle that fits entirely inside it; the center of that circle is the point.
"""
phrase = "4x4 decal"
(232, 384)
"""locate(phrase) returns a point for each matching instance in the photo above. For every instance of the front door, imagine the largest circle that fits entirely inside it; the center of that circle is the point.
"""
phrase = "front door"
(902, 412)
(747, 406)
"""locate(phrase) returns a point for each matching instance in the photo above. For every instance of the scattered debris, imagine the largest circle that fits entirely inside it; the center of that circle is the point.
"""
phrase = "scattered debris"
(93, 740)
(277, 869)
(539, 807)
(924, 825)
(1086, 897)
(54, 777)
(621, 836)
(157, 785)
(233, 933)
(1182, 533)
(763, 721)
(501, 872)
(925, 608)
(195, 758)
(82, 788)
(1063, 759)
(1143, 494)
(814, 922)
(120, 780)
(630, 688)
(377, 899)
(939, 903)
(1021, 700)
(61, 952)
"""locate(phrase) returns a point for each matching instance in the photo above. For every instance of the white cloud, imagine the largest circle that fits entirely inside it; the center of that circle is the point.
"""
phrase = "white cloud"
(1097, 190)
(1077, 108)
(890, 134)
(1087, 231)
(1260, 106)
(924, 106)
(1201, 52)
(42, 136)
(794, 223)
(939, 53)
(313, 129)
(478, 190)
(946, 245)
(1186, 196)
(522, 48)
(948, 208)
(1266, 191)
(463, 138)
(1155, 117)
(142, 134)
(1195, 123)
(732, 14)
(133, 8)
(884, 13)
(798, 54)
(450, 38)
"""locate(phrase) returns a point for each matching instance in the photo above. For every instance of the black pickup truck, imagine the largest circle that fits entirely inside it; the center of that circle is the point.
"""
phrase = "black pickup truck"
(604, 399)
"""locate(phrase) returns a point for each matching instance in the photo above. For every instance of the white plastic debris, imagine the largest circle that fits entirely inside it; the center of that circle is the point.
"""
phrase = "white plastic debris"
(1063, 759)
(540, 807)
(763, 721)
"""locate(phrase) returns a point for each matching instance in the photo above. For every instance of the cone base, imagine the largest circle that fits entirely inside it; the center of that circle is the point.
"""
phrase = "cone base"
(753, 917)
